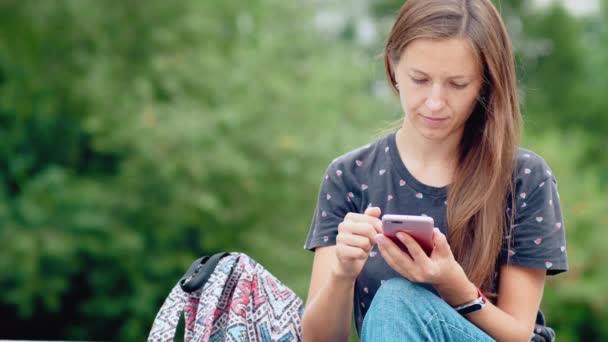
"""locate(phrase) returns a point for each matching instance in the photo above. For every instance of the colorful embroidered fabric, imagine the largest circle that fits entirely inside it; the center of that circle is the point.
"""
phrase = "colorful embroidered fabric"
(241, 301)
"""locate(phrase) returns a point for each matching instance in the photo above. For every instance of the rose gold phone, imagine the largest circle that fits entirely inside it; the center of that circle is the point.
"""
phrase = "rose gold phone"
(419, 227)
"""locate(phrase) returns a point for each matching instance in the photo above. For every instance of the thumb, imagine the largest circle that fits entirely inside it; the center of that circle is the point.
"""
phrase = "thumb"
(373, 211)
(441, 242)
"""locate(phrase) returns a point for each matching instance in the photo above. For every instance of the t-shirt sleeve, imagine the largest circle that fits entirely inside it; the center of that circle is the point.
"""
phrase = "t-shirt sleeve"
(537, 238)
(333, 203)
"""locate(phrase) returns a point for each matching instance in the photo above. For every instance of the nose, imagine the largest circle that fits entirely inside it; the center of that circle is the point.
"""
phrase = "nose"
(434, 102)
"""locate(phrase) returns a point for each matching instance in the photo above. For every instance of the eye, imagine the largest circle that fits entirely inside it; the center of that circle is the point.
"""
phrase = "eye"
(419, 80)
(459, 85)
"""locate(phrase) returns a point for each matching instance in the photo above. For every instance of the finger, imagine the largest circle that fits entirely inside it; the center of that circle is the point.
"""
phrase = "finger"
(376, 212)
(398, 260)
(358, 228)
(413, 247)
(373, 211)
(441, 242)
(350, 252)
(358, 241)
(356, 217)
(392, 251)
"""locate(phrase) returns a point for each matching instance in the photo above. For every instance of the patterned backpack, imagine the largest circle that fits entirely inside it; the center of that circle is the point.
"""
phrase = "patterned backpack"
(230, 297)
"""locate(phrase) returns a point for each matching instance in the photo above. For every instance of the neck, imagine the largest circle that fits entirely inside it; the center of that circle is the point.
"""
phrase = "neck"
(427, 153)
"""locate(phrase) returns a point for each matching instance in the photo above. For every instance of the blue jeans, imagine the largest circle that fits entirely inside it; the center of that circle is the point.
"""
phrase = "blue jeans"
(406, 311)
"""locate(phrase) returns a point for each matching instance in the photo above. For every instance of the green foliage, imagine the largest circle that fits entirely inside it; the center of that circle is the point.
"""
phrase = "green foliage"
(138, 136)
(562, 67)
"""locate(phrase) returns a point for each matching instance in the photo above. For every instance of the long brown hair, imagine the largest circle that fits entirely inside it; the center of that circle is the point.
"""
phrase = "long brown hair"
(483, 177)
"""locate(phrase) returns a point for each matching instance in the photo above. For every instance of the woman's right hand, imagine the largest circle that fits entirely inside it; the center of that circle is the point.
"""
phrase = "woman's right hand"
(355, 241)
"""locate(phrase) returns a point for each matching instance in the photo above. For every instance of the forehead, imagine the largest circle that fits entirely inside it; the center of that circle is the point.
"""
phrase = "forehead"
(441, 57)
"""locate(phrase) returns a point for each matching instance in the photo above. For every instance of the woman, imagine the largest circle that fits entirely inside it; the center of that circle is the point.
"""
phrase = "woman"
(454, 158)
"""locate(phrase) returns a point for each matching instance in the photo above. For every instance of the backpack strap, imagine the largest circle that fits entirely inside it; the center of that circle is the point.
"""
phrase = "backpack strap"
(180, 302)
(542, 333)
(199, 272)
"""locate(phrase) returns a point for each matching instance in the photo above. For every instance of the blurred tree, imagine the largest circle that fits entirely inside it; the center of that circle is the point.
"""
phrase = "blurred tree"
(562, 68)
(139, 135)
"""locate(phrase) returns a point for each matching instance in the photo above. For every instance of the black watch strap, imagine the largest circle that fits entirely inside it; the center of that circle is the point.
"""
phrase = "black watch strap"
(472, 306)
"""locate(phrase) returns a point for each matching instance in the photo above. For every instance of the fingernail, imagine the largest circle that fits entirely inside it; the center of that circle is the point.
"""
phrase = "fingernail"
(401, 236)
(379, 238)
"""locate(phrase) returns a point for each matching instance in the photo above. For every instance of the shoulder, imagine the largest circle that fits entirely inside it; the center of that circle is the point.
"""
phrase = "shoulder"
(361, 158)
(531, 166)
(531, 173)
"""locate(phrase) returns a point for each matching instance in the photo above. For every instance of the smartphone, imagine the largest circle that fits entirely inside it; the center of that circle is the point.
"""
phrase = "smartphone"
(419, 227)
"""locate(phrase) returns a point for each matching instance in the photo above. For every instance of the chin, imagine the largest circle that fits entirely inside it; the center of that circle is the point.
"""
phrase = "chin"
(434, 134)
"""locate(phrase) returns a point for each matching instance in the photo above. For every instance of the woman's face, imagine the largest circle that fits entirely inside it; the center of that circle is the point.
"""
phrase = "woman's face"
(439, 82)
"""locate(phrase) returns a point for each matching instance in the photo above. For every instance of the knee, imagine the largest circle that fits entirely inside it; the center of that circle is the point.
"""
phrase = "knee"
(401, 288)
(399, 305)
(404, 296)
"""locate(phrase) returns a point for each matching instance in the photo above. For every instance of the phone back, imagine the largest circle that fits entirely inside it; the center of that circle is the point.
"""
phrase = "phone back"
(419, 227)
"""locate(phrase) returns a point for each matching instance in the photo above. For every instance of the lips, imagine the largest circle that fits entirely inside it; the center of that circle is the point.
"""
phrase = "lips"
(435, 119)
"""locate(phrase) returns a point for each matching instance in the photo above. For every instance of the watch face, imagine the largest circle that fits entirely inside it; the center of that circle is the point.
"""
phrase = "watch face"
(470, 309)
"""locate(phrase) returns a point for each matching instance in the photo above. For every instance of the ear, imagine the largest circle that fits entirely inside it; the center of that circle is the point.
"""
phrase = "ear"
(484, 93)
(393, 76)
(394, 80)
(392, 66)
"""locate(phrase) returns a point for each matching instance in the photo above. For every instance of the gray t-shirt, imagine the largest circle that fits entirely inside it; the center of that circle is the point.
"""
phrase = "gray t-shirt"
(374, 175)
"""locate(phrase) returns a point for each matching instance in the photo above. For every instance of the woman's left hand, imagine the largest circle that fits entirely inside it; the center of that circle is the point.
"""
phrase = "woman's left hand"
(438, 269)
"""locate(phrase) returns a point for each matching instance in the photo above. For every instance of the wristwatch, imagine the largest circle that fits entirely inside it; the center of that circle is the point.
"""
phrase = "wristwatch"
(472, 306)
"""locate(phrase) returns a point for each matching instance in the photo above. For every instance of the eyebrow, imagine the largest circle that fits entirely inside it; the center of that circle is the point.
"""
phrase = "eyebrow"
(451, 77)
